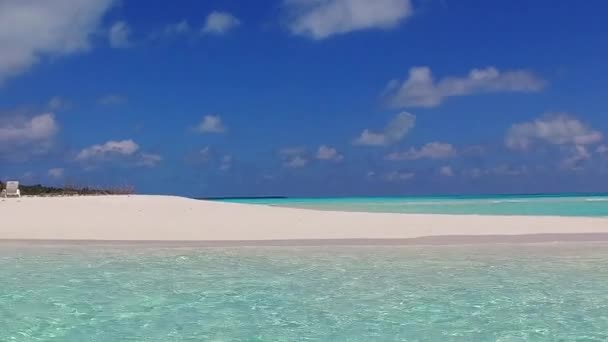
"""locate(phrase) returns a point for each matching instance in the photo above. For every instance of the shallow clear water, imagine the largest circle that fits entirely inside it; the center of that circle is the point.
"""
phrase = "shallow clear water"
(552, 205)
(555, 292)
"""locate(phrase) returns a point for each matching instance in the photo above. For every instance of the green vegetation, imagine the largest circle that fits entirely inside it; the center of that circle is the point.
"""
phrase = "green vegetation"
(71, 190)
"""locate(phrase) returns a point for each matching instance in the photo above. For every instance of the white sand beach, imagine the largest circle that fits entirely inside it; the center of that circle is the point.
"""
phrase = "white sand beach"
(177, 219)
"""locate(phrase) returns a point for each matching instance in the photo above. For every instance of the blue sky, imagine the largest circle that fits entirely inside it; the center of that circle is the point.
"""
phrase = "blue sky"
(305, 97)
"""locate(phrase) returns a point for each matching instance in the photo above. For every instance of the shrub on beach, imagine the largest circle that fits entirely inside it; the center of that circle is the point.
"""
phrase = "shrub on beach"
(72, 190)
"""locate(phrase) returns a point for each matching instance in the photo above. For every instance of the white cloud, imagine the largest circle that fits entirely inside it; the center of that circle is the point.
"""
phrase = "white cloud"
(119, 35)
(320, 19)
(500, 170)
(508, 170)
(211, 124)
(399, 176)
(296, 162)
(433, 150)
(220, 23)
(33, 30)
(112, 100)
(56, 172)
(226, 163)
(57, 103)
(578, 156)
(109, 149)
(126, 151)
(175, 29)
(292, 151)
(394, 131)
(22, 137)
(328, 153)
(446, 171)
(149, 159)
(294, 157)
(181, 27)
(602, 149)
(421, 90)
(554, 129)
(18, 131)
(204, 154)
(209, 156)
(473, 151)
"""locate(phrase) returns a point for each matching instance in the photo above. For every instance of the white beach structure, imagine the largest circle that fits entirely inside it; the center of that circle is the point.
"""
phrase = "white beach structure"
(12, 189)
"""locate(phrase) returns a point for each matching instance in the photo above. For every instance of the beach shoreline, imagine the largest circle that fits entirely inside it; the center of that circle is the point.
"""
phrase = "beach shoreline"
(178, 221)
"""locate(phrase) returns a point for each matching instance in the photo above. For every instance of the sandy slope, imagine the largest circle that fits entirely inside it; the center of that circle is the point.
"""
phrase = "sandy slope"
(165, 218)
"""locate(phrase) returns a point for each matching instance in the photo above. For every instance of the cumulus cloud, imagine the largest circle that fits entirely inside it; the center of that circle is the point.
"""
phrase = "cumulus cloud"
(320, 19)
(226, 163)
(181, 27)
(473, 151)
(508, 170)
(126, 151)
(119, 35)
(219, 23)
(500, 170)
(204, 154)
(22, 137)
(328, 153)
(294, 157)
(296, 162)
(554, 129)
(148, 159)
(420, 89)
(175, 29)
(108, 149)
(20, 131)
(212, 158)
(33, 30)
(399, 176)
(578, 156)
(112, 100)
(56, 172)
(57, 103)
(433, 150)
(292, 151)
(446, 171)
(394, 131)
(211, 124)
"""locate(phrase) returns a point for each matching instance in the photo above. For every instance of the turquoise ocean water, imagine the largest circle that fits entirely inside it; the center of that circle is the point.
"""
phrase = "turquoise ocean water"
(550, 292)
(553, 205)
(501, 292)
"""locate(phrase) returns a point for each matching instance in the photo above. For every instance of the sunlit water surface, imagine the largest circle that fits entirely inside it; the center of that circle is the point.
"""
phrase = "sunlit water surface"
(551, 292)
(593, 205)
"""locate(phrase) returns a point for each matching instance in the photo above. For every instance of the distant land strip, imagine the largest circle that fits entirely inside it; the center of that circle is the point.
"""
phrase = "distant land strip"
(239, 198)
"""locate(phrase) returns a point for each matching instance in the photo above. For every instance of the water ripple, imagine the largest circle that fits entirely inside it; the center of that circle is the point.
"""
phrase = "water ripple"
(481, 293)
